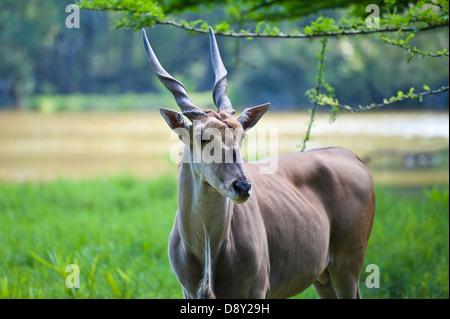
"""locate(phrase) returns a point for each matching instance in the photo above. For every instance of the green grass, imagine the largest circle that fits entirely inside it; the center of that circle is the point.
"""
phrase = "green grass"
(410, 244)
(116, 229)
(119, 226)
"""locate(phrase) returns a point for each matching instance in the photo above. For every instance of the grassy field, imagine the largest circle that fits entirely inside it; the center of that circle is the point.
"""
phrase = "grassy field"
(116, 230)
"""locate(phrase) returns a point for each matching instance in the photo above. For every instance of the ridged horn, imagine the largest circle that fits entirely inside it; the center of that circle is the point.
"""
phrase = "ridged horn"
(220, 96)
(176, 87)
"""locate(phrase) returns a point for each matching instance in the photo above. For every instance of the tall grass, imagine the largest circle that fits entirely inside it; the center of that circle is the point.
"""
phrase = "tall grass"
(116, 229)
(410, 244)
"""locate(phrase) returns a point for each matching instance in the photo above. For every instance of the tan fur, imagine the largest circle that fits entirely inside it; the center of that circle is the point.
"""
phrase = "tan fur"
(224, 117)
(307, 224)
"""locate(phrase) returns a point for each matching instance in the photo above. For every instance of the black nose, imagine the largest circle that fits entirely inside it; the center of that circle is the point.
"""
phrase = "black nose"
(242, 189)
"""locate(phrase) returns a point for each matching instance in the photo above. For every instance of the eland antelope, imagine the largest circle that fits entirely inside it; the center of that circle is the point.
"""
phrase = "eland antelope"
(239, 233)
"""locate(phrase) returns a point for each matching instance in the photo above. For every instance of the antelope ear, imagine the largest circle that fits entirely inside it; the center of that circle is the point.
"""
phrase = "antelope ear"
(251, 115)
(174, 119)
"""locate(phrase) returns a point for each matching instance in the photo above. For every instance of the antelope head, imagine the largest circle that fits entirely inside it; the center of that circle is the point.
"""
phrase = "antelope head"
(214, 138)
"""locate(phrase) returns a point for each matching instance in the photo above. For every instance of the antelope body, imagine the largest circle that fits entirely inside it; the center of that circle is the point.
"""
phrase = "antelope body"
(239, 233)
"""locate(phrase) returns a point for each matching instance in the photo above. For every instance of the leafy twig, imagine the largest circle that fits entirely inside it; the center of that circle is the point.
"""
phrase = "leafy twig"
(302, 35)
(323, 99)
(313, 94)
(413, 51)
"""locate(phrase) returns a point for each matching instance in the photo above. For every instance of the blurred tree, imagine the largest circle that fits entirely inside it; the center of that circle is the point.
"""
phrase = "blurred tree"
(39, 55)
(29, 48)
(16, 47)
(405, 18)
(417, 16)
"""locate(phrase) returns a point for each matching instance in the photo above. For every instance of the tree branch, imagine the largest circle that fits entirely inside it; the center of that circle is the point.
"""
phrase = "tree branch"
(326, 101)
(300, 35)
(443, 53)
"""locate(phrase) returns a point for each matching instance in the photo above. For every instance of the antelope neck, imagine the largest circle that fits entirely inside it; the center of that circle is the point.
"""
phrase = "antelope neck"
(201, 209)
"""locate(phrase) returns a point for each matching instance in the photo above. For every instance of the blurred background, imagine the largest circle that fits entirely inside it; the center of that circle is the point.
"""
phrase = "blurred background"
(79, 107)
(83, 101)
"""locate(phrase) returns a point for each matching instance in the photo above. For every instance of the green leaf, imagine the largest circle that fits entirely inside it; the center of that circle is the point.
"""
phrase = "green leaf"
(193, 24)
(204, 26)
(223, 27)
(93, 271)
(426, 87)
(44, 262)
(412, 35)
(258, 27)
(124, 276)
(112, 283)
